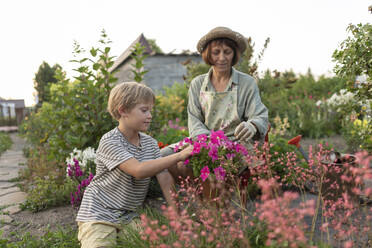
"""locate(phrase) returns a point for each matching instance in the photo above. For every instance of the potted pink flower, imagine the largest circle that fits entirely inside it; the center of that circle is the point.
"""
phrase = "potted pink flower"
(214, 157)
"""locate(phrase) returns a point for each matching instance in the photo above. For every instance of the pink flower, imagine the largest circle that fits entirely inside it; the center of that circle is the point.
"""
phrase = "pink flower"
(220, 173)
(196, 149)
(204, 173)
(186, 162)
(217, 137)
(213, 153)
(202, 137)
(230, 156)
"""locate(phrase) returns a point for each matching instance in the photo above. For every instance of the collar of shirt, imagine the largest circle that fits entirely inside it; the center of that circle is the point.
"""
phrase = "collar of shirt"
(234, 80)
(122, 137)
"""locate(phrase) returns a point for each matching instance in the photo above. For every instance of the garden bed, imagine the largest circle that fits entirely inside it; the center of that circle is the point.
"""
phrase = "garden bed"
(38, 223)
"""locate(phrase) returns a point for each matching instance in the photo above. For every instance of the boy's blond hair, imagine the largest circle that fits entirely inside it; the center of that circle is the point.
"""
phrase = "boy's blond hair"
(127, 95)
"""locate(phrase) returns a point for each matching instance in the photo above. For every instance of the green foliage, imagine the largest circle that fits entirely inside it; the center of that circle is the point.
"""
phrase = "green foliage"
(171, 133)
(47, 192)
(154, 47)
(44, 180)
(76, 115)
(354, 58)
(66, 238)
(170, 105)
(246, 63)
(5, 142)
(44, 77)
(132, 237)
(194, 70)
(358, 134)
(139, 56)
(295, 97)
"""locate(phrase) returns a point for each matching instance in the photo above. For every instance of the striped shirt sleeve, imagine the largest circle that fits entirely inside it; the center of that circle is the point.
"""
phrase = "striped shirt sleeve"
(112, 152)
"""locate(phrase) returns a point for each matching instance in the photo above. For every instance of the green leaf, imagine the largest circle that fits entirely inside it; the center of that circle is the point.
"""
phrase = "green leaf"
(96, 66)
(93, 52)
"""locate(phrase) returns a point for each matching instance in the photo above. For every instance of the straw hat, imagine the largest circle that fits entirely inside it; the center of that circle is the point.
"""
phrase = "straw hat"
(222, 32)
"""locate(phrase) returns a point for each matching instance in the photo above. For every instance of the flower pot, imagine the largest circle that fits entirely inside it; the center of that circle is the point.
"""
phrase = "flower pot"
(210, 191)
(334, 185)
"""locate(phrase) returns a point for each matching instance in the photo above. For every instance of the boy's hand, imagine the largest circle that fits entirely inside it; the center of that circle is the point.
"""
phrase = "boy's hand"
(186, 152)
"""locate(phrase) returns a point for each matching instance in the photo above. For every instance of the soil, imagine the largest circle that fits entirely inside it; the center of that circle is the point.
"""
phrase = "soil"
(38, 223)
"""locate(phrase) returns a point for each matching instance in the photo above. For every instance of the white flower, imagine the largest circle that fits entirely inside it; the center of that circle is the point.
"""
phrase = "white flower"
(343, 98)
(82, 156)
(318, 103)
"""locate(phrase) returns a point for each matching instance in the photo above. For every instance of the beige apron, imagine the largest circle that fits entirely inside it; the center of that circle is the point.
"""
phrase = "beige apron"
(220, 109)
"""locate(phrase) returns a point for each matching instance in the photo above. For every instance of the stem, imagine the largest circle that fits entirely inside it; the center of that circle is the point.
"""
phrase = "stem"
(316, 209)
(326, 219)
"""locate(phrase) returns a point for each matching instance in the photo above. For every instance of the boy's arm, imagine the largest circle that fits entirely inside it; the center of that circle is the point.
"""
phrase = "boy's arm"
(149, 168)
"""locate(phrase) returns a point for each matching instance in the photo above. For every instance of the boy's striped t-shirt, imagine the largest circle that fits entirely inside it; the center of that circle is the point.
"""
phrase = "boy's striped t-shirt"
(113, 193)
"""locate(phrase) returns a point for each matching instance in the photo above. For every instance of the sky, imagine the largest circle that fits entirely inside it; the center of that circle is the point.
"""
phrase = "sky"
(303, 33)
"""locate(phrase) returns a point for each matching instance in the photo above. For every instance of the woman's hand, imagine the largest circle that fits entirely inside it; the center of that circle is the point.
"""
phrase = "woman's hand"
(245, 131)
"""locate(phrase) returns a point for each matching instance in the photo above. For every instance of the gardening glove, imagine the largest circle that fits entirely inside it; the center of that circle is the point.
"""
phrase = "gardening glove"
(245, 131)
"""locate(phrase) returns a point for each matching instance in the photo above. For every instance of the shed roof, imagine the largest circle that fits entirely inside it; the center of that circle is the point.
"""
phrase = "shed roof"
(126, 54)
(143, 41)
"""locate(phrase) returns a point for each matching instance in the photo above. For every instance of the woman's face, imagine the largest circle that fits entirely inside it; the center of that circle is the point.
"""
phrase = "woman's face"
(222, 57)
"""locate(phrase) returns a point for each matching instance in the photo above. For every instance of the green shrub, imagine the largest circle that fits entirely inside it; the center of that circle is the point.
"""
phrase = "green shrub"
(66, 238)
(48, 192)
(76, 114)
(5, 142)
(295, 97)
(170, 105)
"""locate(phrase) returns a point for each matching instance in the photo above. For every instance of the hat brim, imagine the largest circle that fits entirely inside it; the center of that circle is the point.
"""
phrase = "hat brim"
(239, 39)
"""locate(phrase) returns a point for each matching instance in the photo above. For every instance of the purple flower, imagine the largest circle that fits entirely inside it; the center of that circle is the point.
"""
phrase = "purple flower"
(76, 162)
(72, 199)
(213, 153)
(69, 171)
(220, 173)
(204, 173)
(230, 156)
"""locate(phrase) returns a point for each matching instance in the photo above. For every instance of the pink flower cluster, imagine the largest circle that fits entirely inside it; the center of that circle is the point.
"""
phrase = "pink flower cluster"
(285, 224)
(215, 152)
(203, 226)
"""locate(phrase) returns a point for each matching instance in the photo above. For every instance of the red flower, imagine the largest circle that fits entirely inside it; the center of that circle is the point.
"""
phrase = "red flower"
(161, 144)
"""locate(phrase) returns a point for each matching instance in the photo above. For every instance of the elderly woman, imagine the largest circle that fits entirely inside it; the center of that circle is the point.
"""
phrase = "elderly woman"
(224, 98)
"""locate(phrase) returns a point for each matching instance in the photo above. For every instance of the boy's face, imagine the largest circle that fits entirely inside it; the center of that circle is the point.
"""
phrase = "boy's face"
(138, 118)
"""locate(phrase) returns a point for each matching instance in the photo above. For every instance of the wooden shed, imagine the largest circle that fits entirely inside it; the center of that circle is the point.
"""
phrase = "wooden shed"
(163, 69)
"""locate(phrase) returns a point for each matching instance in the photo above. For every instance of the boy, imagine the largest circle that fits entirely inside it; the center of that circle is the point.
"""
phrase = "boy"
(126, 159)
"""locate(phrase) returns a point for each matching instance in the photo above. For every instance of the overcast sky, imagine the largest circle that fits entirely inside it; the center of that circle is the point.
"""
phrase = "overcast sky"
(303, 34)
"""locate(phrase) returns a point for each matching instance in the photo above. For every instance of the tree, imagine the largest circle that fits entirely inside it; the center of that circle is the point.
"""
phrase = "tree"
(154, 46)
(44, 77)
(354, 58)
(246, 63)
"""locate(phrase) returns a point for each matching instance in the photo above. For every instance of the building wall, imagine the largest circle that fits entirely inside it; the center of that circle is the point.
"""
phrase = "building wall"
(124, 73)
(163, 70)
